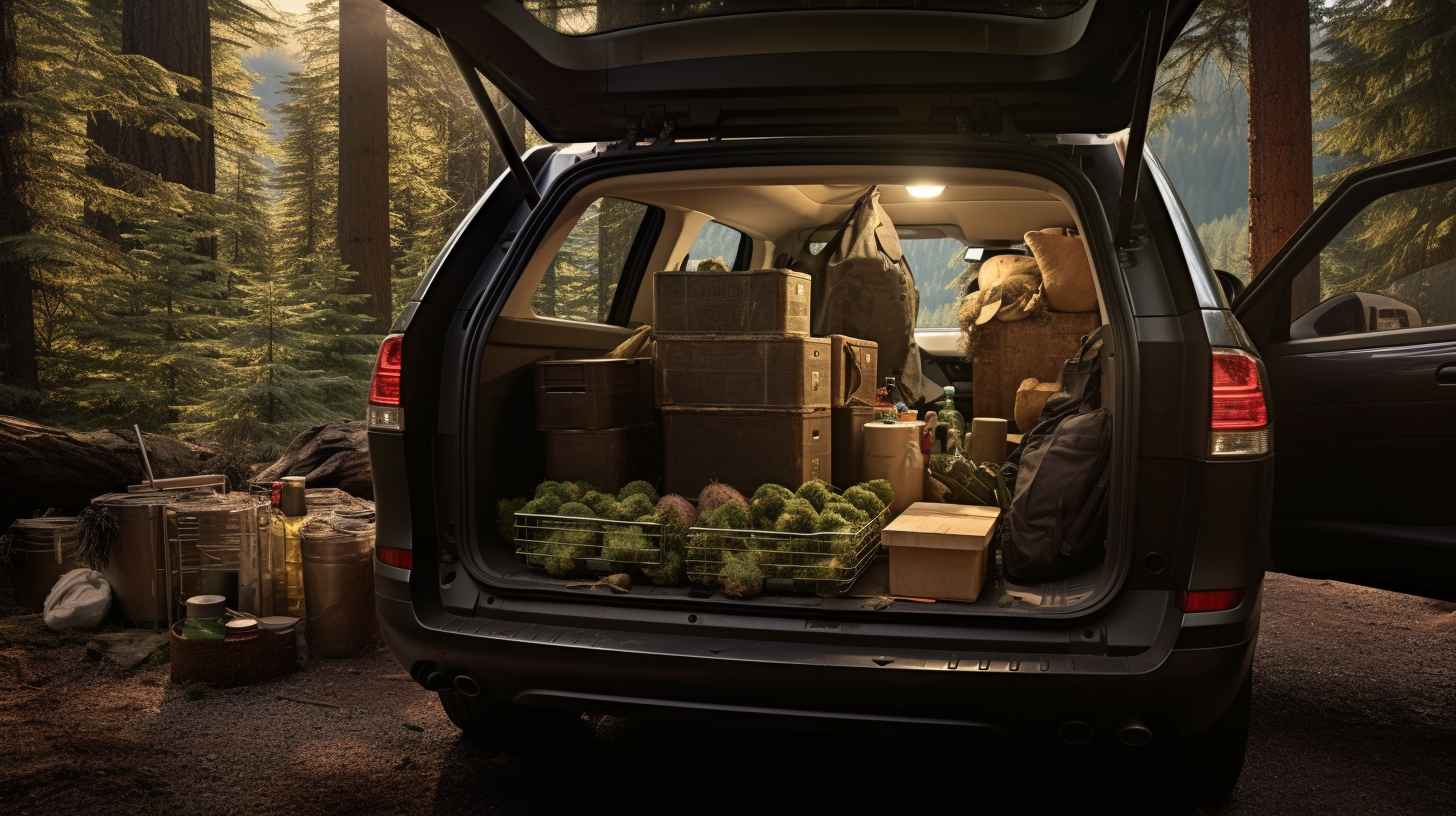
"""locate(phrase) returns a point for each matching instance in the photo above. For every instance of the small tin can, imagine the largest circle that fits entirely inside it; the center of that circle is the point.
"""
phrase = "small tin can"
(294, 502)
(241, 629)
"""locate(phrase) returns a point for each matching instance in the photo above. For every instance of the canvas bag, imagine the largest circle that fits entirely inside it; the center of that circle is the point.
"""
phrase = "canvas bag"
(1057, 521)
(863, 287)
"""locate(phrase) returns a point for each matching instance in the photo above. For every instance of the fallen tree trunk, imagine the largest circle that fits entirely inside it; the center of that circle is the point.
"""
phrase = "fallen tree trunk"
(46, 467)
(335, 454)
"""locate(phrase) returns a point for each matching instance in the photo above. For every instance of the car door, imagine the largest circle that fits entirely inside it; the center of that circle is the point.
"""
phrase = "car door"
(1356, 321)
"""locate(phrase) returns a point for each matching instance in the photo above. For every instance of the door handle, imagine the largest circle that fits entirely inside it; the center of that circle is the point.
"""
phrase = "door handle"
(1446, 374)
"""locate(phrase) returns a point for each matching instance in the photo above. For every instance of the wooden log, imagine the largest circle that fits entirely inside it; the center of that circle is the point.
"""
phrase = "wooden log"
(335, 454)
(47, 467)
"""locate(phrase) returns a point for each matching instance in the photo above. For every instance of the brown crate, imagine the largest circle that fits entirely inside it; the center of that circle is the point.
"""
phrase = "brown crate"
(849, 422)
(852, 369)
(607, 457)
(744, 448)
(742, 372)
(602, 393)
(940, 550)
(763, 301)
(1007, 353)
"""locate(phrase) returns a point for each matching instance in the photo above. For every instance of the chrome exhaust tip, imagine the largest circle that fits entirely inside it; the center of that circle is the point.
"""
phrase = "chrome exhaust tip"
(1134, 734)
(466, 685)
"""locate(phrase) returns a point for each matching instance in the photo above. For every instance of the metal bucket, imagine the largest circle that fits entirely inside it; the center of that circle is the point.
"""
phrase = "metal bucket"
(338, 577)
(40, 551)
(208, 535)
(135, 564)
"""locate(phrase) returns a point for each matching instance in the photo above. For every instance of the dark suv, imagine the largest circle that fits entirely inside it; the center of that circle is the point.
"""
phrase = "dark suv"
(756, 129)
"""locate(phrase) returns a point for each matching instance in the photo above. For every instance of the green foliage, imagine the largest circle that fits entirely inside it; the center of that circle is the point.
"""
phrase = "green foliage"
(816, 492)
(639, 487)
(740, 576)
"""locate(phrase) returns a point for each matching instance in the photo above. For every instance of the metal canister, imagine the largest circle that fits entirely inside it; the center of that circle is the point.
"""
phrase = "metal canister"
(294, 502)
(40, 551)
(338, 578)
(135, 561)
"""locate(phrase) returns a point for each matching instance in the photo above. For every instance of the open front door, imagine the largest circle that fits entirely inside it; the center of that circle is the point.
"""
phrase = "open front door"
(1356, 320)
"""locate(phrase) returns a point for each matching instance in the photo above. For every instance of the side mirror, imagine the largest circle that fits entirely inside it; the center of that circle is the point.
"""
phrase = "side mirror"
(1232, 286)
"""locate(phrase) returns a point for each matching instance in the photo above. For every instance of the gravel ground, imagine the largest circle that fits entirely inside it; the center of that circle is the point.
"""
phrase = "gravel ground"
(1355, 711)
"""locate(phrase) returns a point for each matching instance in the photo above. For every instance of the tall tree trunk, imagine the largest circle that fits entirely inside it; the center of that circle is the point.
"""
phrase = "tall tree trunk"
(176, 34)
(1281, 152)
(17, 311)
(364, 152)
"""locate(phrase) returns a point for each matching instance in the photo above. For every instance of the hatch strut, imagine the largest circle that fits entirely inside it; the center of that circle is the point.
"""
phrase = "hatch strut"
(498, 133)
(1132, 163)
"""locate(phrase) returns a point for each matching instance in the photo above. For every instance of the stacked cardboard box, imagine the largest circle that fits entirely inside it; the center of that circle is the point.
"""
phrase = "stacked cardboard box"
(744, 390)
(599, 420)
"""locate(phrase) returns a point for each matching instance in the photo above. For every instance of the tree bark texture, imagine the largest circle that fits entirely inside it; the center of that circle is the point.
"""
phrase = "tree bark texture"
(1281, 151)
(17, 315)
(176, 34)
(364, 153)
(43, 467)
(335, 454)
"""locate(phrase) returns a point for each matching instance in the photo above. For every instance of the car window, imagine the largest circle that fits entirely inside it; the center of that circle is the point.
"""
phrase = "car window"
(1392, 267)
(582, 279)
(720, 242)
(941, 275)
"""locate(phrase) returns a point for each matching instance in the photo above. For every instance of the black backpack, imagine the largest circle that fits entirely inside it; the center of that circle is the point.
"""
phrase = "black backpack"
(1057, 521)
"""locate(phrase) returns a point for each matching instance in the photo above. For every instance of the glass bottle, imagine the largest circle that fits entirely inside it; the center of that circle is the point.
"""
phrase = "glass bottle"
(951, 418)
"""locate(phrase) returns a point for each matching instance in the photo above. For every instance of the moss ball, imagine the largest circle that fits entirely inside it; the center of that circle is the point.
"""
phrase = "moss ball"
(634, 505)
(583, 487)
(678, 510)
(561, 560)
(883, 490)
(816, 492)
(546, 505)
(767, 505)
(638, 487)
(717, 494)
(505, 517)
(563, 491)
(865, 500)
(602, 504)
(798, 517)
(740, 576)
(832, 522)
(669, 572)
(728, 517)
(575, 509)
(855, 516)
(627, 546)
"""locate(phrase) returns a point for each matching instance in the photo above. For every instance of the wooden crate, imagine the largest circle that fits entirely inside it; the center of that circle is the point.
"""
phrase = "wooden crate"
(1004, 354)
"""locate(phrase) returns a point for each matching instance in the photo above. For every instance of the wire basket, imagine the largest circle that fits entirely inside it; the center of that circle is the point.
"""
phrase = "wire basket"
(569, 545)
(818, 563)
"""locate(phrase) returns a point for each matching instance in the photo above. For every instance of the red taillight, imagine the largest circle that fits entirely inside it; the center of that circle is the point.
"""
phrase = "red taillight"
(1238, 417)
(396, 557)
(385, 411)
(1210, 600)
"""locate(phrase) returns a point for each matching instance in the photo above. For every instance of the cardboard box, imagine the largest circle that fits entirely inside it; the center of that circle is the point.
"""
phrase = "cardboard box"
(593, 394)
(606, 457)
(852, 370)
(763, 301)
(742, 372)
(940, 550)
(1004, 354)
(744, 448)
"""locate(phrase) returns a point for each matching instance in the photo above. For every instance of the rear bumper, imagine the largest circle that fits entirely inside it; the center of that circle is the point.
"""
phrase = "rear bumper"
(601, 669)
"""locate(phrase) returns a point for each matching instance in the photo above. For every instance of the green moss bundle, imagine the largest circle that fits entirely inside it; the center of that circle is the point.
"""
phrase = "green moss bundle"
(638, 488)
(604, 505)
(563, 491)
(626, 547)
(669, 572)
(546, 505)
(816, 492)
(740, 576)
(865, 499)
(883, 490)
(832, 522)
(767, 505)
(505, 517)
(634, 505)
(705, 548)
(855, 516)
(561, 560)
(717, 494)
(575, 509)
(799, 516)
(727, 517)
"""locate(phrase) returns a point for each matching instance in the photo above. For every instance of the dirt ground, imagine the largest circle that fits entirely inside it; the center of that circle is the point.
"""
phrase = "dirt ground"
(1355, 711)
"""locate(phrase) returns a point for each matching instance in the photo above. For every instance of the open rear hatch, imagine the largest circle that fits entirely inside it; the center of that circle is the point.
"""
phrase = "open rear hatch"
(608, 71)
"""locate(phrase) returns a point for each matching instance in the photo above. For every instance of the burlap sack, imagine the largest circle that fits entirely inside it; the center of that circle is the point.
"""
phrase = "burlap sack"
(1000, 267)
(1031, 397)
(1065, 272)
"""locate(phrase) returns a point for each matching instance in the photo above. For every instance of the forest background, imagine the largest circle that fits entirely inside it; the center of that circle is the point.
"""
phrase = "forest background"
(212, 209)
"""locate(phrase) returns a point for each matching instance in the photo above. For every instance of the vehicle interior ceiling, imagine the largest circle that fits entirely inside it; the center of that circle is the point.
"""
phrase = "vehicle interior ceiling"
(782, 211)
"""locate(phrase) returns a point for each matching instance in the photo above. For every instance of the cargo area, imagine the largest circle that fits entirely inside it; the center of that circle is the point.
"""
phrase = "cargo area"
(800, 388)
